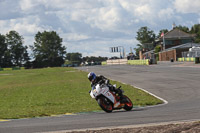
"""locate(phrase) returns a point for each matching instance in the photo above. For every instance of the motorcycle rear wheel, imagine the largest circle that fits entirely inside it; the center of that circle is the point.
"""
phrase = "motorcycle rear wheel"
(105, 104)
(128, 104)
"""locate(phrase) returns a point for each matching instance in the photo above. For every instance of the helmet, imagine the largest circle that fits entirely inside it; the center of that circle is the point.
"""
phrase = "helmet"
(91, 76)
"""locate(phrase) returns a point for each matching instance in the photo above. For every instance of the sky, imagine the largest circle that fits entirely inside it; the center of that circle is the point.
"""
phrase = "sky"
(91, 27)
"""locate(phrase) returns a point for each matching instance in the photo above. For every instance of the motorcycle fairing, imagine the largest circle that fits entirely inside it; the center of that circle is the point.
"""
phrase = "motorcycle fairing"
(103, 90)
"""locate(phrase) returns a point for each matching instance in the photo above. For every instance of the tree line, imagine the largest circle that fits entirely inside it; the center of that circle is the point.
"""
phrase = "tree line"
(47, 51)
(76, 58)
(147, 37)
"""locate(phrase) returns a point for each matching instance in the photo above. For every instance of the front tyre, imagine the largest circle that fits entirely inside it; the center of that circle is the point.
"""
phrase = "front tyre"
(105, 104)
(128, 104)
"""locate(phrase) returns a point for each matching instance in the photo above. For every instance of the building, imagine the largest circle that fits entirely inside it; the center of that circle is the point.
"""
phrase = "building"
(176, 51)
(172, 43)
(175, 37)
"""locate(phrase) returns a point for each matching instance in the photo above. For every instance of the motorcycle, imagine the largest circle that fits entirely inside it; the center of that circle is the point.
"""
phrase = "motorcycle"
(108, 100)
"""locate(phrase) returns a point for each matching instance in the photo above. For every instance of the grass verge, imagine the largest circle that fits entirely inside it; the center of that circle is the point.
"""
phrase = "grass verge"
(51, 91)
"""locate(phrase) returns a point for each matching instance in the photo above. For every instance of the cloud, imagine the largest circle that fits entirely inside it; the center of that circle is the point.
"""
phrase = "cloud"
(165, 14)
(9, 10)
(75, 37)
(104, 18)
(92, 26)
(25, 26)
(27, 4)
(142, 10)
(187, 6)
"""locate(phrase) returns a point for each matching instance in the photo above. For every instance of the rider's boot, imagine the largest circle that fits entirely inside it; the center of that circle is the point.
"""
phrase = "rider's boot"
(120, 93)
(122, 99)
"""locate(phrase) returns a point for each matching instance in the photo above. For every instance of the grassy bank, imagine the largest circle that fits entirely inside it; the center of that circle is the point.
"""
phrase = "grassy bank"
(50, 91)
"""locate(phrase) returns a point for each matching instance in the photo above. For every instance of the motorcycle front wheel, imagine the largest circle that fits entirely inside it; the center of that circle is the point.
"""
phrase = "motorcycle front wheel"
(128, 104)
(105, 104)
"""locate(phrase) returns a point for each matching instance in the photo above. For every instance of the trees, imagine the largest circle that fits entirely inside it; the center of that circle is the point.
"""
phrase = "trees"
(162, 31)
(157, 49)
(94, 59)
(12, 51)
(183, 28)
(196, 30)
(77, 59)
(146, 37)
(48, 50)
(138, 49)
(74, 58)
(16, 52)
(3, 49)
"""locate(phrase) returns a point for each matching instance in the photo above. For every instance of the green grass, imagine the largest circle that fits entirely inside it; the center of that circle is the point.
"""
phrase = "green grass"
(51, 91)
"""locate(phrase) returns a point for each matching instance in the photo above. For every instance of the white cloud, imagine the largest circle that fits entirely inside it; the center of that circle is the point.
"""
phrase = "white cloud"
(79, 15)
(165, 14)
(104, 18)
(75, 37)
(187, 6)
(143, 10)
(92, 26)
(25, 26)
(3, 24)
(27, 4)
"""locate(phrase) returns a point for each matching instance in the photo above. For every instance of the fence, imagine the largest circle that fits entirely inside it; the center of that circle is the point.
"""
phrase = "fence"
(103, 63)
(116, 61)
(191, 54)
(138, 62)
(125, 61)
(192, 59)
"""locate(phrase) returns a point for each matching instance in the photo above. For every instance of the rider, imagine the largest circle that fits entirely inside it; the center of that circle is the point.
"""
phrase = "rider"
(102, 80)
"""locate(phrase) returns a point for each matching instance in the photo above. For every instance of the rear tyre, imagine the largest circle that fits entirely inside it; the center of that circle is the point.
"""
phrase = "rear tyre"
(128, 103)
(105, 104)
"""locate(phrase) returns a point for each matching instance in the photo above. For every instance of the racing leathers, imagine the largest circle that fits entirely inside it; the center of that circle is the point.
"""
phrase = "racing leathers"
(102, 80)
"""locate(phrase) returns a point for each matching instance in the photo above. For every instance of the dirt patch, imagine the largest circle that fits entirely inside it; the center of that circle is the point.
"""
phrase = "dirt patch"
(189, 127)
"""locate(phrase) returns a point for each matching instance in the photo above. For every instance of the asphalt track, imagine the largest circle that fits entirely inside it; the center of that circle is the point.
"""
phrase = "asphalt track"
(179, 84)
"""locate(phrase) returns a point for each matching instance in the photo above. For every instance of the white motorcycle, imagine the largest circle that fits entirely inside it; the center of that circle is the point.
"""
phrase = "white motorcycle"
(108, 100)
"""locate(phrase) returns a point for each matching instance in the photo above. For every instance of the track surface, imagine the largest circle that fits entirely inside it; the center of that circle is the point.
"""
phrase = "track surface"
(179, 84)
